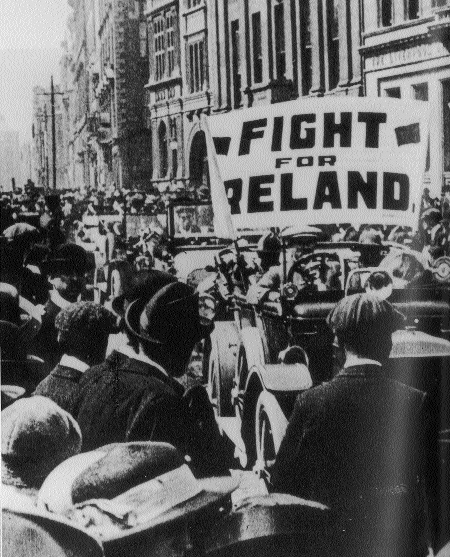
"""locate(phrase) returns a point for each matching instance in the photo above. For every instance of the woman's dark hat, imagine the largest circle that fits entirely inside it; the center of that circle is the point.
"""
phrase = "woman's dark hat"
(168, 317)
(67, 258)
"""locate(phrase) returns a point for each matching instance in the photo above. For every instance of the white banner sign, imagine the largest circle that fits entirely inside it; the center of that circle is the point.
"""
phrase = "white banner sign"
(319, 161)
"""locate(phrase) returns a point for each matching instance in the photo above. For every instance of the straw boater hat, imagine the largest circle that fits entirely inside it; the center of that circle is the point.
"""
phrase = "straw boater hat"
(89, 482)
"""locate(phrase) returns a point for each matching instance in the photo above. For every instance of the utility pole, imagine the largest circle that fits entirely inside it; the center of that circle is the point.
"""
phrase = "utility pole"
(52, 104)
(52, 100)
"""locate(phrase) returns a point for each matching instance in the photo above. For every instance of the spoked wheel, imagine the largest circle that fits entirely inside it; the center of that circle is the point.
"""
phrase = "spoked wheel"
(221, 367)
(270, 427)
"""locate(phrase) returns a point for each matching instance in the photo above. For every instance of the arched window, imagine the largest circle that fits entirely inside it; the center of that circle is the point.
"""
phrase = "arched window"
(163, 158)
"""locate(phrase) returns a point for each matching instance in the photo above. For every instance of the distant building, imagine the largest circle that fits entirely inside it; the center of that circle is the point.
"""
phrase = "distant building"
(178, 92)
(10, 164)
(119, 140)
(406, 54)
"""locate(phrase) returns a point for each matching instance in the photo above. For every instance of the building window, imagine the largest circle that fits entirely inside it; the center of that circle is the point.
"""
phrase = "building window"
(438, 3)
(412, 8)
(257, 48)
(420, 91)
(170, 34)
(333, 43)
(143, 44)
(193, 3)
(393, 92)
(280, 41)
(160, 50)
(236, 63)
(386, 13)
(196, 66)
(305, 46)
(163, 158)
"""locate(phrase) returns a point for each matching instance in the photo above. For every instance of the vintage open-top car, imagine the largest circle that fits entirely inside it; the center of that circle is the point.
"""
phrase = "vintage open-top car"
(264, 352)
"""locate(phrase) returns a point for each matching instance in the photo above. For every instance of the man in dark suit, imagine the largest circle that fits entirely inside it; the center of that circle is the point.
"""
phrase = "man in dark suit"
(66, 269)
(357, 443)
(134, 395)
(83, 331)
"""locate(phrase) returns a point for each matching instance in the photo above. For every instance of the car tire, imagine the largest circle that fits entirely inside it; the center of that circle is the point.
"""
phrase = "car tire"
(270, 427)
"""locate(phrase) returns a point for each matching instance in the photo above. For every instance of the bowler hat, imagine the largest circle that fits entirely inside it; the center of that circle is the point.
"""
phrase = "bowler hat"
(168, 317)
(144, 284)
(120, 473)
(36, 436)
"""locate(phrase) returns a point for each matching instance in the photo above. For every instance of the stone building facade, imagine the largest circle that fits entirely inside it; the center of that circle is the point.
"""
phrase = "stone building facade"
(177, 93)
(119, 73)
(406, 54)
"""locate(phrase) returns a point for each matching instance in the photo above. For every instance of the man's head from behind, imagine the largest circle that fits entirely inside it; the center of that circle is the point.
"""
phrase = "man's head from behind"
(83, 331)
(363, 325)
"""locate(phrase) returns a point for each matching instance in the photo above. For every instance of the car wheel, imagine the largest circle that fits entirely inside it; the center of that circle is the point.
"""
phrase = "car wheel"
(270, 427)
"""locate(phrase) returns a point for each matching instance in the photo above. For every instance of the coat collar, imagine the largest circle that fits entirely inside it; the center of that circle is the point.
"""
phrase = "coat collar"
(362, 370)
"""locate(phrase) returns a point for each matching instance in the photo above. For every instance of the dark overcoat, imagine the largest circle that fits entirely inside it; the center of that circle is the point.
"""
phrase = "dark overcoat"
(125, 399)
(357, 444)
(61, 386)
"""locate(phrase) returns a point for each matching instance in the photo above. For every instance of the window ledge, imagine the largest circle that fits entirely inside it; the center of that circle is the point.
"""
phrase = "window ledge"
(398, 26)
(151, 85)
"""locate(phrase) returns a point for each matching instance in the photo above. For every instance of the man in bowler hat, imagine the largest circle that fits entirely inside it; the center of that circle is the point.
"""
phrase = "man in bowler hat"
(134, 395)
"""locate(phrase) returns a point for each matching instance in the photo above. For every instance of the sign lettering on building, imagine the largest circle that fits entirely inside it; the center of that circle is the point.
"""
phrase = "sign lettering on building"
(416, 53)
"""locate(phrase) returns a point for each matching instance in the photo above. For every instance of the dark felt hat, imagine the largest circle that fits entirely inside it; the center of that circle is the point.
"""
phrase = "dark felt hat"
(67, 258)
(37, 435)
(168, 317)
(33, 533)
(142, 284)
(112, 470)
(364, 316)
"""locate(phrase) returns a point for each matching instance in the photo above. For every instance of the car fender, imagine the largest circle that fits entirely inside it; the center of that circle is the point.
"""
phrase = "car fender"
(277, 418)
(252, 343)
(282, 377)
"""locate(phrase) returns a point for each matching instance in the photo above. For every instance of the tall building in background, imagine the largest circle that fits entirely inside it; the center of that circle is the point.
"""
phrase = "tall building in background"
(406, 54)
(10, 163)
(118, 70)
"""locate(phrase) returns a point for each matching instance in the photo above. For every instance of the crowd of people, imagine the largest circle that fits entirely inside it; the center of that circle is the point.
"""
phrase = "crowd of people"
(81, 379)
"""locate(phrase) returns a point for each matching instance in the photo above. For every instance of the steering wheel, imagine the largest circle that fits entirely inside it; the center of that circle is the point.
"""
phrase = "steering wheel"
(299, 267)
